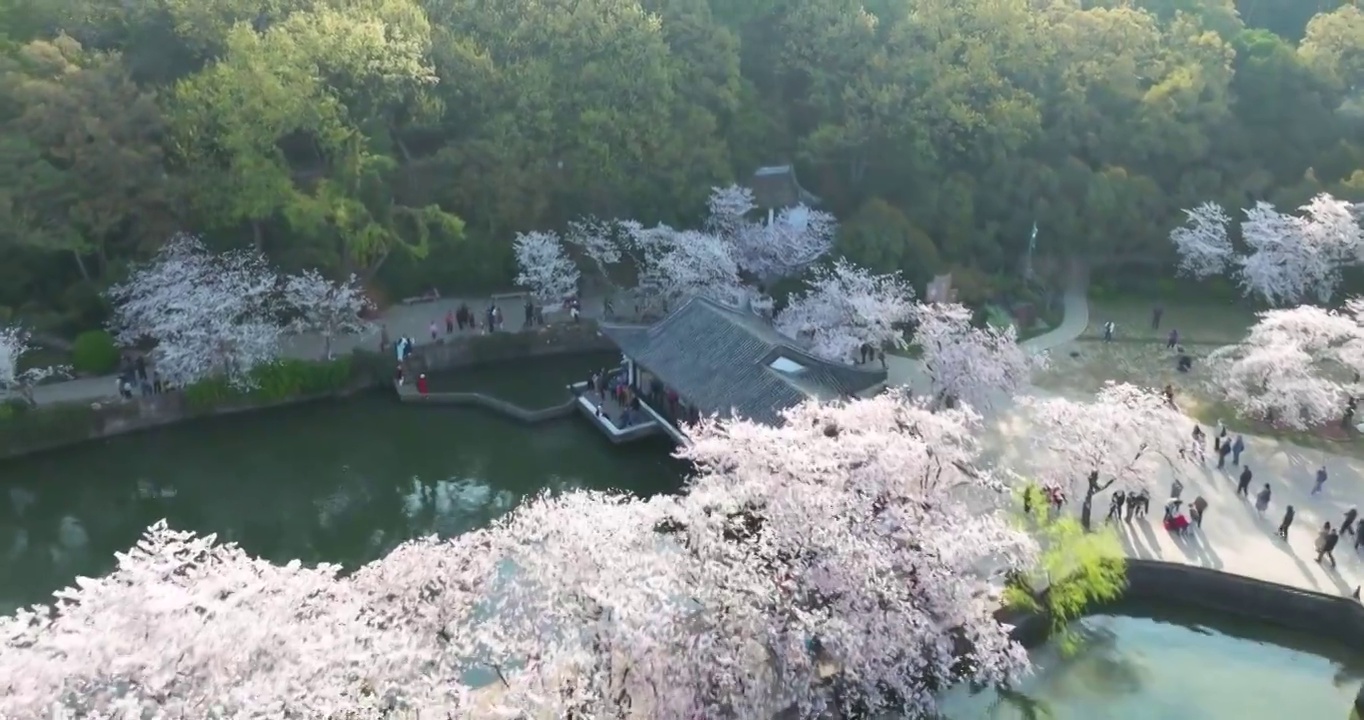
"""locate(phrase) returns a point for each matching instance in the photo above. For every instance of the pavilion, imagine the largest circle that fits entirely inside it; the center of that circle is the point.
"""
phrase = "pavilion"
(707, 358)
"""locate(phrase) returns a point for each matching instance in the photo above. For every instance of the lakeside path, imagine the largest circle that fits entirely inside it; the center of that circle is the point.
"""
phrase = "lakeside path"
(411, 320)
(1234, 538)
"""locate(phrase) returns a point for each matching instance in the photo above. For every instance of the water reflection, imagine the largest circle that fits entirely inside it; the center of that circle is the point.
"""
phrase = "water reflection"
(337, 482)
(1176, 665)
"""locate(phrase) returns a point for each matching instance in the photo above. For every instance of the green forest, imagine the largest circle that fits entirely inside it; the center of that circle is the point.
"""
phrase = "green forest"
(409, 140)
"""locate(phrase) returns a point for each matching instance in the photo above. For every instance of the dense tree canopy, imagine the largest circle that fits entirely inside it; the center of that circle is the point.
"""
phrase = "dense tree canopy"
(409, 141)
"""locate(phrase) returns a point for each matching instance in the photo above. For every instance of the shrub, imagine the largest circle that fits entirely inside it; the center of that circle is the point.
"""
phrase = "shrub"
(94, 353)
(273, 382)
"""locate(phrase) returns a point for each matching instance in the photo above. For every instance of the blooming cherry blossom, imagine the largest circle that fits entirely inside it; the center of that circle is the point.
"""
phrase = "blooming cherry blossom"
(325, 307)
(845, 307)
(1125, 436)
(677, 264)
(13, 346)
(1296, 368)
(1202, 242)
(210, 314)
(184, 624)
(1294, 258)
(843, 508)
(796, 237)
(544, 267)
(970, 364)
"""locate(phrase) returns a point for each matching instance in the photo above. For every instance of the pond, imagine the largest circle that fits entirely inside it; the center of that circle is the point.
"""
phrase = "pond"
(341, 481)
(1178, 665)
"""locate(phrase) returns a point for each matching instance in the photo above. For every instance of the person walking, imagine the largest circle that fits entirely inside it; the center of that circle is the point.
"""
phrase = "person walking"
(1223, 450)
(1243, 483)
(1287, 522)
(1172, 340)
(1262, 499)
(1238, 446)
(1326, 544)
(1109, 327)
(1347, 527)
(1321, 480)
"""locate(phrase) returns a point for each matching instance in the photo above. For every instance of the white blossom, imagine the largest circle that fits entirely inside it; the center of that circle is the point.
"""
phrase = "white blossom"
(1294, 258)
(853, 541)
(970, 364)
(1125, 436)
(326, 307)
(13, 381)
(796, 237)
(846, 557)
(845, 307)
(544, 267)
(1202, 242)
(849, 509)
(1296, 368)
(210, 314)
(184, 624)
(677, 264)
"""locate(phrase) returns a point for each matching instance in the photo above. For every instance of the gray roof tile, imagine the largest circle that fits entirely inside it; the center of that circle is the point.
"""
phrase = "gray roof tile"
(718, 359)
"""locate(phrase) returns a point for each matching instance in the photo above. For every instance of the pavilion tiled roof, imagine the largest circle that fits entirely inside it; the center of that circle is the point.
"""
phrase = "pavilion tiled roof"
(720, 360)
(775, 188)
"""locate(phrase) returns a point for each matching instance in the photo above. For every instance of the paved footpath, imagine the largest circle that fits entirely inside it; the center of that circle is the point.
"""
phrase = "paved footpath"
(1234, 537)
(401, 320)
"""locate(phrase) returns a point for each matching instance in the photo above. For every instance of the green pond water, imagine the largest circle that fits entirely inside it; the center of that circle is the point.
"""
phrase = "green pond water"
(345, 481)
(1177, 664)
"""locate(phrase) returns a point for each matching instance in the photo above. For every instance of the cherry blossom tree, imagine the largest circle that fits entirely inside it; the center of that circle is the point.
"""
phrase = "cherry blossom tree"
(1202, 242)
(1291, 258)
(795, 238)
(210, 314)
(1297, 368)
(777, 571)
(970, 364)
(13, 381)
(845, 307)
(841, 561)
(882, 494)
(677, 264)
(1282, 266)
(184, 623)
(328, 308)
(544, 267)
(1126, 436)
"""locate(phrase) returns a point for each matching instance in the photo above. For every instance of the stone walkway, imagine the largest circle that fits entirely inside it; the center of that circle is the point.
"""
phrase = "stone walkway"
(1234, 537)
(411, 320)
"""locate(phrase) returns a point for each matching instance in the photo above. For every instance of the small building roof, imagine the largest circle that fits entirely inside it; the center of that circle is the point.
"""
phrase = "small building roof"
(731, 363)
(775, 187)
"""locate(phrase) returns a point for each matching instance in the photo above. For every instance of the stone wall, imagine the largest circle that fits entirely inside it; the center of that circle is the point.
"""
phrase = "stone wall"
(1333, 616)
(465, 350)
(55, 426)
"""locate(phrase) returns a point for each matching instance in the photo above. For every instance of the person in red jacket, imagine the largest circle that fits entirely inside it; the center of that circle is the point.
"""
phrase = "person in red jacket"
(421, 383)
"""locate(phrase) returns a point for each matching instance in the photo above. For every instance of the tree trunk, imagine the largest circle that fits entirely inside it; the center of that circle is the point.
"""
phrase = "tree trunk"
(80, 265)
